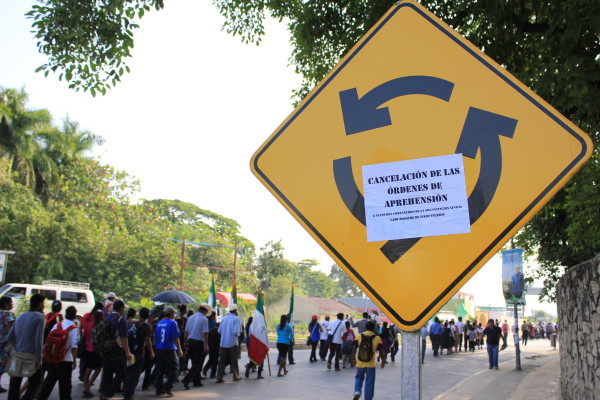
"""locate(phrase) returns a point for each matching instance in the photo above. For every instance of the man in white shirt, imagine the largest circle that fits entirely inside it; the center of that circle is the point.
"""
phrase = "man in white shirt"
(460, 327)
(337, 329)
(323, 339)
(196, 337)
(62, 372)
(230, 331)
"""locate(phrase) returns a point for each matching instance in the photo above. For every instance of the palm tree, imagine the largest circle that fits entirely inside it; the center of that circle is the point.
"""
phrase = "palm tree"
(18, 133)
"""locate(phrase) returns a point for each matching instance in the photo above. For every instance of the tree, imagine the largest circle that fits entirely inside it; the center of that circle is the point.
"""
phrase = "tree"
(19, 129)
(552, 47)
(345, 286)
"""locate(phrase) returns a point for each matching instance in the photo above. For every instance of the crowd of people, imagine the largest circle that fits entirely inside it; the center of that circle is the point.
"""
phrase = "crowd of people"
(117, 344)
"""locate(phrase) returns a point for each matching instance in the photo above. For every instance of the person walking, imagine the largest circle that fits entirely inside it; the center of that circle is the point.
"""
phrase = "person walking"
(214, 343)
(93, 362)
(61, 372)
(168, 348)
(314, 330)
(435, 334)
(365, 350)
(323, 340)
(347, 345)
(284, 339)
(27, 336)
(114, 364)
(524, 332)
(7, 319)
(460, 330)
(140, 345)
(229, 329)
(424, 334)
(337, 329)
(505, 330)
(493, 335)
(196, 334)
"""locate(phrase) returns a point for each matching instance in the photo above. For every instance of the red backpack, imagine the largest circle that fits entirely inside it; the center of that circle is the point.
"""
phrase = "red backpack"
(55, 349)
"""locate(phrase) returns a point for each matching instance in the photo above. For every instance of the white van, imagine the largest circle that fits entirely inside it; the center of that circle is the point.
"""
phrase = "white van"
(69, 293)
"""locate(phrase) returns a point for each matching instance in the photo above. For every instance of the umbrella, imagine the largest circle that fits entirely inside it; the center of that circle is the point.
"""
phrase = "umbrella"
(174, 296)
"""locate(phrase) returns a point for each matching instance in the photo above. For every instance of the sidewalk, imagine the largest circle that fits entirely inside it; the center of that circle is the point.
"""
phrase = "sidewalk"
(539, 379)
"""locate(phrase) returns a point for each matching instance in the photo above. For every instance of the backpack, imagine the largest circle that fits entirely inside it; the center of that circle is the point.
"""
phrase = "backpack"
(102, 338)
(365, 348)
(55, 349)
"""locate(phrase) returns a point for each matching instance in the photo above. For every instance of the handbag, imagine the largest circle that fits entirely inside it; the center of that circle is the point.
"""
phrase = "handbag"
(330, 336)
(21, 364)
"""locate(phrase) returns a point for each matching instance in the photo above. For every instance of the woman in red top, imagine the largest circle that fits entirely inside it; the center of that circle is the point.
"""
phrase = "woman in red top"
(92, 360)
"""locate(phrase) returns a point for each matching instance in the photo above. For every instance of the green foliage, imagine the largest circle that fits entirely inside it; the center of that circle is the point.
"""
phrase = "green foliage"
(87, 42)
(345, 286)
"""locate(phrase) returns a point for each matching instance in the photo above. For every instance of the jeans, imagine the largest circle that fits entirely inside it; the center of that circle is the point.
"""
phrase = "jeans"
(133, 376)
(336, 349)
(369, 384)
(435, 343)
(423, 347)
(492, 350)
(60, 373)
(15, 386)
(112, 364)
(167, 363)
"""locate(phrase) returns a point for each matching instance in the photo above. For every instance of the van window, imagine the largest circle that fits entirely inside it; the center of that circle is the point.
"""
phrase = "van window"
(74, 297)
(48, 294)
(17, 292)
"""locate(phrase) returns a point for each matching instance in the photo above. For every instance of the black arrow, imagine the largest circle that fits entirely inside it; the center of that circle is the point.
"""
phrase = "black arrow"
(481, 130)
(363, 114)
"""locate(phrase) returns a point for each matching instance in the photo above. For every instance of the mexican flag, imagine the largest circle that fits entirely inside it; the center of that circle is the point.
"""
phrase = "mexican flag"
(212, 295)
(258, 346)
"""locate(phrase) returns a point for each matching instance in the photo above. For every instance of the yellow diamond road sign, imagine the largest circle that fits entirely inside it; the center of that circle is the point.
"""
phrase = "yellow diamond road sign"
(410, 92)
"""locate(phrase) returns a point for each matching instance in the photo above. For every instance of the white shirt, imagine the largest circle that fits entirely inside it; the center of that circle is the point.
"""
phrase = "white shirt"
(337, 329)
(460, 326)
(73, 338)
(196, 326)
(325, 331)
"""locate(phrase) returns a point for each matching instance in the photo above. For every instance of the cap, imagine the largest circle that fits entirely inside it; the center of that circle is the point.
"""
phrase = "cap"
(232, 308)
(315, 317)
(110, 295)
(168, 310)
(56, 304)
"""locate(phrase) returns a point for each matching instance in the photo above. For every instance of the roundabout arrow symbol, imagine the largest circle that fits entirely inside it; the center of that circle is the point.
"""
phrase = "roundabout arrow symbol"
(364, 114)
(480, 132)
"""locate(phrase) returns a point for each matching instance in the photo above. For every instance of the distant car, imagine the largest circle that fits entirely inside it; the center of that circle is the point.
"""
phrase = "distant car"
(69, 293)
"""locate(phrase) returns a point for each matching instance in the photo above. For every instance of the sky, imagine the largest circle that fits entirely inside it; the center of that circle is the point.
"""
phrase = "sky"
(189, 116)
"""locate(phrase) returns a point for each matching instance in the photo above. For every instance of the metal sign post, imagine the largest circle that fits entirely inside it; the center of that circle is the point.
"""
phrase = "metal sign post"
(517, 348)
(411, 366)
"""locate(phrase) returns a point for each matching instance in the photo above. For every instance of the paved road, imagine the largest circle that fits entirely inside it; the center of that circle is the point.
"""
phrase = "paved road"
(458, 376)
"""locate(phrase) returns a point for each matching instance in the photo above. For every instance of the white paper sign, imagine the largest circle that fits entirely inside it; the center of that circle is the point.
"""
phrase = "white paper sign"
(416, 198)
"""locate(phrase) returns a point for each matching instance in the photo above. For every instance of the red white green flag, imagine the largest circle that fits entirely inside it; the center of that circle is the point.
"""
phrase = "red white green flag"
(258, 345)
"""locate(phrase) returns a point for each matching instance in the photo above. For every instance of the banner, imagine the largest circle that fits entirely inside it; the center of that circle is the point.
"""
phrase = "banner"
(513, 279)
(416, 198)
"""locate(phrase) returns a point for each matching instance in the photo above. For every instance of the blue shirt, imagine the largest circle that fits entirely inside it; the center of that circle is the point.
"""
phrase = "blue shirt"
(166, 333)
(436, 329)
(285, 335)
